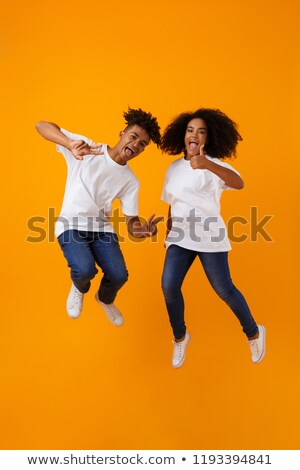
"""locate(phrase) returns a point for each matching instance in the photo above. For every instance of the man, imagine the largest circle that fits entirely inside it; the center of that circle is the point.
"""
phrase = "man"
(83, 229)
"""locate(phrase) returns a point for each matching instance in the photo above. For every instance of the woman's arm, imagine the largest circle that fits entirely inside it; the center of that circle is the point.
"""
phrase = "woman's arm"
(230, 177)
(169, 222)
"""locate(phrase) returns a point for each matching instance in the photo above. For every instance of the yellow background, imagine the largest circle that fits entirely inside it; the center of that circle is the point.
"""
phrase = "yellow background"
(85, 384)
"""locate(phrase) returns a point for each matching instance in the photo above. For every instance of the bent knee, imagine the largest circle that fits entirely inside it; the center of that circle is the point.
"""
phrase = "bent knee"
(119, 278)
(84, 272)
(226, 293)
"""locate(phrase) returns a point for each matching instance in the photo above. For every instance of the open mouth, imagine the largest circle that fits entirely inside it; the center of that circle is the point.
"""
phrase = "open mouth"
(193, 144)
(128, 152)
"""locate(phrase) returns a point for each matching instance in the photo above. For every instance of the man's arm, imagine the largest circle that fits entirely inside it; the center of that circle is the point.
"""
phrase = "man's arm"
(138, 230)
(79, 148)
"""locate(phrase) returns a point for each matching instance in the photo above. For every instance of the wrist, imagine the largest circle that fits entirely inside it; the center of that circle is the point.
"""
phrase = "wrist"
(68, 144)
(209, 165)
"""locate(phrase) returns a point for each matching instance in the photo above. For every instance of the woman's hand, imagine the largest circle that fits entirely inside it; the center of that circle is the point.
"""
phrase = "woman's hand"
(199, 162)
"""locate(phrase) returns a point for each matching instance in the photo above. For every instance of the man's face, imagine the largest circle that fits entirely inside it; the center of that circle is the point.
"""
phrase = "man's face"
(132, 142)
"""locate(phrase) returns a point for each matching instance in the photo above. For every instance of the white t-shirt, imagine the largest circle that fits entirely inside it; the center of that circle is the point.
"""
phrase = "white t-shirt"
(194, 196)
(92, 185)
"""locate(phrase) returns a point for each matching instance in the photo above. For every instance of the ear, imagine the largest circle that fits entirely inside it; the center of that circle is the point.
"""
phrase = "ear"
(121, 134)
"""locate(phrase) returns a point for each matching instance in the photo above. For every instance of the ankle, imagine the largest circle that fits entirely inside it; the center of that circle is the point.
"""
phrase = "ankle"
(179, 340)
(250, 338)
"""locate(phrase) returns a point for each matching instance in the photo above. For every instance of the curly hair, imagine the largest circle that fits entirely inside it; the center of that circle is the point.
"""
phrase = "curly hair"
(145, 120)
(222, 134)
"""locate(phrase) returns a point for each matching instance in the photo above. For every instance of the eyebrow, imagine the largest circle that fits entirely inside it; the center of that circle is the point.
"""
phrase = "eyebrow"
(144, 141)
(199, 128)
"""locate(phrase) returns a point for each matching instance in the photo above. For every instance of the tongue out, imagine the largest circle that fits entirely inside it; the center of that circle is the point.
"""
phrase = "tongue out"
(193, 146)
(128, 152)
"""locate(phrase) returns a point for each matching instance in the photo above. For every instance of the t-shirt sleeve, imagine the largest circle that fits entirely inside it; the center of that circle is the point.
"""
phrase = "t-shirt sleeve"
(165, 195)
(64, 151)
(130, 198)
(222, 183)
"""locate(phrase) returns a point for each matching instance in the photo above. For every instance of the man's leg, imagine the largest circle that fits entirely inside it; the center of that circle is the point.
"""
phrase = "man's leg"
(77, 250)
(107, 253)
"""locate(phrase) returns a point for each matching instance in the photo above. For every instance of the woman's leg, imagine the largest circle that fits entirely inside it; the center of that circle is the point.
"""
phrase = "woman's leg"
(177, 263)
(217, 271)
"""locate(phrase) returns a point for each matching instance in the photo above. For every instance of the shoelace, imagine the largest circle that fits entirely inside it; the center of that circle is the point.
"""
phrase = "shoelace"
(112, 312)
(178, 349)
(77, 296)
(254, 346)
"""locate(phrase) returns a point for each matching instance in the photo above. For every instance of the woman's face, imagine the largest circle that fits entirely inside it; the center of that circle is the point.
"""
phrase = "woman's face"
(195, 136)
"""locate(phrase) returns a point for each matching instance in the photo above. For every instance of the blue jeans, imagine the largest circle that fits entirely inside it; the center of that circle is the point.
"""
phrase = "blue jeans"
(177, 263)
(83, 250)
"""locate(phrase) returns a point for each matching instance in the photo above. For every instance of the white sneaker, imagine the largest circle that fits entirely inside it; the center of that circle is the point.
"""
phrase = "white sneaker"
(258, 345)
(74, 302)
(112, 312)
(179, 351)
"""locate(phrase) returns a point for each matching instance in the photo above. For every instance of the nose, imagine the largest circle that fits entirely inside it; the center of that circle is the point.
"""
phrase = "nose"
(136, 144)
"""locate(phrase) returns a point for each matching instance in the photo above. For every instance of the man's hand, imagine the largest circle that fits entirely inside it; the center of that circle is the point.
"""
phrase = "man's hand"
(150, 227)
(80, 148)
(199, 162)
(136, 229)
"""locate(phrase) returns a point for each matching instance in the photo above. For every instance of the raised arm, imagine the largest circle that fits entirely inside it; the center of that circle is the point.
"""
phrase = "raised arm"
(230, 177)
(79, 148)
(52, 132)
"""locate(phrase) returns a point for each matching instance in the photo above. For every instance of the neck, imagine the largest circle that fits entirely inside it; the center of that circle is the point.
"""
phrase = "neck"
(114, 155)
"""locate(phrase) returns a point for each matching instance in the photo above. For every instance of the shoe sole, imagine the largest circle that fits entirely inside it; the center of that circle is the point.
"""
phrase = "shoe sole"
(183, 359)
(264, 331)
(74, 317)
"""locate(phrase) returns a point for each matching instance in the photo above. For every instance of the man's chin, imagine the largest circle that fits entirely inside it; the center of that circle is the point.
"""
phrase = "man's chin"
(124, 159)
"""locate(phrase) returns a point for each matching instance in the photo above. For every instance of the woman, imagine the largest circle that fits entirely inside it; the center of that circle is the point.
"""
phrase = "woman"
(193, 187)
